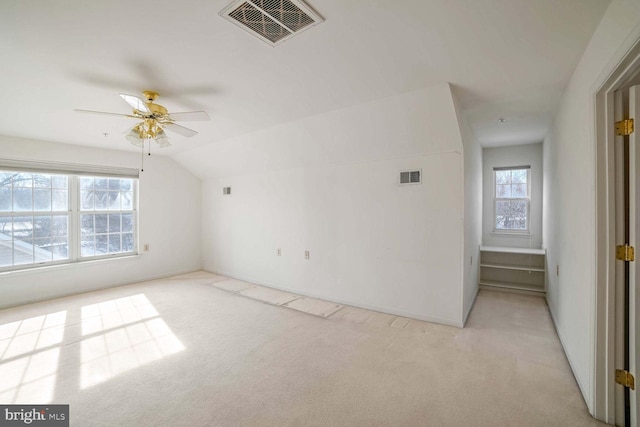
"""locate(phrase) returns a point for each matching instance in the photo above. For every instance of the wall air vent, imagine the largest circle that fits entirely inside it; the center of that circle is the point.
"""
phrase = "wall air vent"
(226, 191)
(410, 177)
(272, 21)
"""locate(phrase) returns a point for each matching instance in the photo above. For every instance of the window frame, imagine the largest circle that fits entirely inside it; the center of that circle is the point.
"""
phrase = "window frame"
(33, 213)
(527, 199)
(74, 211)
(79, 212)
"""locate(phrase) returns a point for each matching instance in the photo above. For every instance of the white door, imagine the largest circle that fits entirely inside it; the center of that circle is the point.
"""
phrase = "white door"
(627, 231)
(634, 236)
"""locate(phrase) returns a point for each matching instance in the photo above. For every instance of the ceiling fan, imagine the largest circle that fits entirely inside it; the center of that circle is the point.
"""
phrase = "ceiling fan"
(154, 118)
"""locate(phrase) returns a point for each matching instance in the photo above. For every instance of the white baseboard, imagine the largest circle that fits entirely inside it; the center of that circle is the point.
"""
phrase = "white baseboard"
(583, 390)
(473, 302)
(99, 288)
(387, 310)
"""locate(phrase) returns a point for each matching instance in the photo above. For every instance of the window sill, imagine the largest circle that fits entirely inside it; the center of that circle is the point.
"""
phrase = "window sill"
(68, 265)
(513, 233)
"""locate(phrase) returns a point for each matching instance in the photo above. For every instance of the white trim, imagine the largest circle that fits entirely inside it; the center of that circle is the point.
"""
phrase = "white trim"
(98, 288)
(625, 64)
(512, 231)
(529, 251)
(73, 214)
(473, 302)
(67, 168)
(39, 269)
(344, 301)
(581, 385)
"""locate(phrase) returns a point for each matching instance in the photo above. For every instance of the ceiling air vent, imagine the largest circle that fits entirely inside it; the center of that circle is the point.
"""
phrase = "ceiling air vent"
(273, 21)
(410, 177)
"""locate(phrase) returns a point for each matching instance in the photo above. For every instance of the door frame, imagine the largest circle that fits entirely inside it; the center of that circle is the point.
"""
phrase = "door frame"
(606, 301)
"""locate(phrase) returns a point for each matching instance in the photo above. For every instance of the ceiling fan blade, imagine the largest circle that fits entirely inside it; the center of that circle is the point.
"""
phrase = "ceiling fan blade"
(104, 113)
(180, 129)
(190, 116)
(136, 103)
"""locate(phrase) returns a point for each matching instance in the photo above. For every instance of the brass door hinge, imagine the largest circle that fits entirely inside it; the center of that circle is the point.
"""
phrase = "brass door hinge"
(625, 253)
(625, 378)
(624, 127)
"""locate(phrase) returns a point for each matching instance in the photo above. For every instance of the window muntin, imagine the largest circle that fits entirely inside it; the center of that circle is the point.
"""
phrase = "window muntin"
(106, 216)
(512, 199)
(34, 218)
(49, 218)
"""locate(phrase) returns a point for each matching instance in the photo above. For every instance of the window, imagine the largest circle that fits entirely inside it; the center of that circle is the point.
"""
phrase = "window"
(51, 218)
(34, 218)
(512, 198)
(106, 216)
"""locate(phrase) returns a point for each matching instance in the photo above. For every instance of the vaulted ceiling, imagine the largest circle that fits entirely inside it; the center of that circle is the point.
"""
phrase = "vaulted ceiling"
(504, 58)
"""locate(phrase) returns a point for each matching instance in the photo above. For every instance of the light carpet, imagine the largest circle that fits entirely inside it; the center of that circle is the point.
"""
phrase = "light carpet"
(181, 352)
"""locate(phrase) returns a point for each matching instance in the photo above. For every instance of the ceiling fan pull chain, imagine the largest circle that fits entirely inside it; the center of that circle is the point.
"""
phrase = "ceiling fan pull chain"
(142, 156)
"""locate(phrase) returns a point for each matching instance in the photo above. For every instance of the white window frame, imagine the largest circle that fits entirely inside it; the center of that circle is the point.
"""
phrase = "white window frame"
(34, 213)
(79, 212)
(526, 230)
(74, 172)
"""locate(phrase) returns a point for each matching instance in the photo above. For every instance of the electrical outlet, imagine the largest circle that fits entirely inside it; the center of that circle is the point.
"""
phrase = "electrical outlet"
(146, 247)
(306, 254)
(279, 252)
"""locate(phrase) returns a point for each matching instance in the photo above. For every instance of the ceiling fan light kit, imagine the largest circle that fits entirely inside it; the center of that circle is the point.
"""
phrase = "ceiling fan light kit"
(154, 118)
(136, 136)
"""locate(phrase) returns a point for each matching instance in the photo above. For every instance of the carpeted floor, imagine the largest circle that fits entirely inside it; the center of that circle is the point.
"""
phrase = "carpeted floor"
(183, 352)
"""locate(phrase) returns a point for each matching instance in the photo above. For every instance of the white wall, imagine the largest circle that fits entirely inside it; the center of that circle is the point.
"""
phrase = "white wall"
(472, 238)
(517, 155)
(472, 219)
(169, 221)
(569, 191)
(329, 184)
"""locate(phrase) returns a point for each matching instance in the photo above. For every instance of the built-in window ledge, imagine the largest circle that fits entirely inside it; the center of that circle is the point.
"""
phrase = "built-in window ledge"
(503, 249)
(511, 233)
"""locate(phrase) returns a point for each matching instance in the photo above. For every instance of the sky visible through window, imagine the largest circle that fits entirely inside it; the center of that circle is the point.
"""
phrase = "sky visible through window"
(38, 222)
(512, 199)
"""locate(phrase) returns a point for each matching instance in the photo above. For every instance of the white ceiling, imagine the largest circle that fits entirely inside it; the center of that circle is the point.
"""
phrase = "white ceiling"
(504, 58)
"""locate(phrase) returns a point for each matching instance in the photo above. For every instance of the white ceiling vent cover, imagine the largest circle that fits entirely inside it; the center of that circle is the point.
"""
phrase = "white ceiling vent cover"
(272, 21)
(410, 177)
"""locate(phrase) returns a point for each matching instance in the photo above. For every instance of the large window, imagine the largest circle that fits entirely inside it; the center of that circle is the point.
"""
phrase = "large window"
(48, 218)
(512, 198)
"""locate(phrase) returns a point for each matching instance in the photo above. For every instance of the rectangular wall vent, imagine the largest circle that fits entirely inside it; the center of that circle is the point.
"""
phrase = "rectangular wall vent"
(226, 190)
(272, 21)
(410, 177)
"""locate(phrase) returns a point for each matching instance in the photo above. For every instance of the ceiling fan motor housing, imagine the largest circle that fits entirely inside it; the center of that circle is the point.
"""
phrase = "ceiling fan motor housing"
(157, 109)
(150, 95)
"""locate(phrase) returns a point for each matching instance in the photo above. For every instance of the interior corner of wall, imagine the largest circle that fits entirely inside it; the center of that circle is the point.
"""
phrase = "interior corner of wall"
(461, 120)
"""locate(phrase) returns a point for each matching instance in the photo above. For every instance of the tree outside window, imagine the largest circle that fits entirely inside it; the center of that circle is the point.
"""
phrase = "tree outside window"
(39, 225)
(512, 198)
